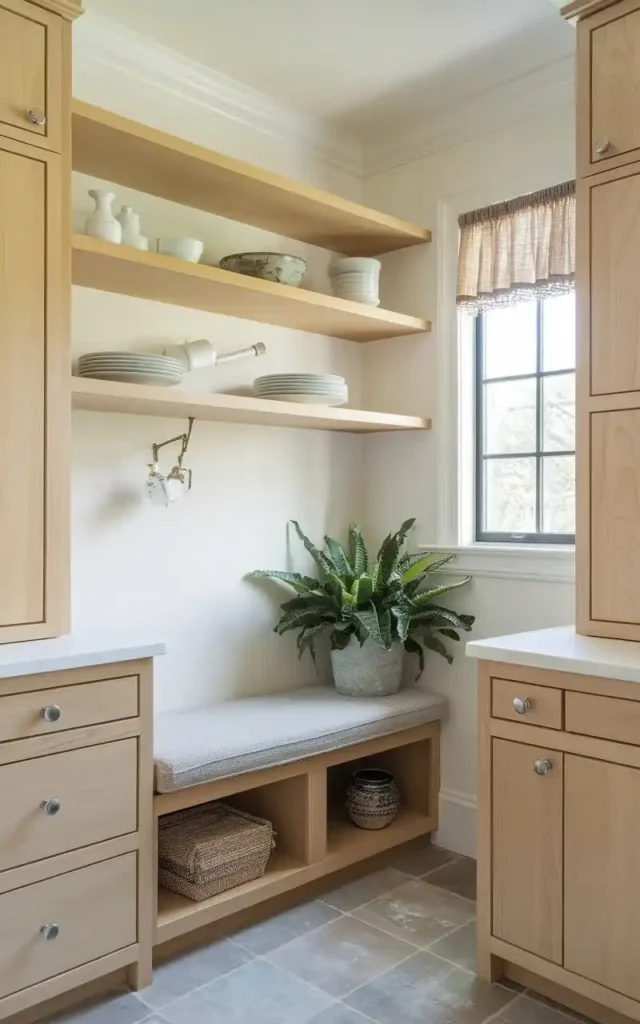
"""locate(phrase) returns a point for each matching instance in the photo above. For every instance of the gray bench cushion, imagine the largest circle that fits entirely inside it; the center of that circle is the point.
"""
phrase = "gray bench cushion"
(196, 746)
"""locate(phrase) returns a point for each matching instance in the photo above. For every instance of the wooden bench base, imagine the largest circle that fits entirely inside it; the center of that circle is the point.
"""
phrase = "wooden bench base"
(305, 802)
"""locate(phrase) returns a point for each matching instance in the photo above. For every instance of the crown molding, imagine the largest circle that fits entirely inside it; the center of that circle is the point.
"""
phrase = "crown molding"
(68, 9)
(102, 43)
(516, 100)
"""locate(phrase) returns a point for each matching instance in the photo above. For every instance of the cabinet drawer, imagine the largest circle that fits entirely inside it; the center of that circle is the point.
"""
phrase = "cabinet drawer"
(30, 74)
(544, 705)
(96, 788)
(610, 718)
(23, 714)
(94, 910)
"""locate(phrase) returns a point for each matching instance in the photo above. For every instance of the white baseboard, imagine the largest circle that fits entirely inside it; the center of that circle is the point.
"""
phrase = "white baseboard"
(457, 830)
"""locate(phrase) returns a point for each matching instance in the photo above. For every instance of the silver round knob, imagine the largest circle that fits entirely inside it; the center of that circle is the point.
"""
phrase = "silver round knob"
(50, 806)
(51, 713)
(36, 116)
(541, 766)
(521, 705)
(50, 932)
(602, 146)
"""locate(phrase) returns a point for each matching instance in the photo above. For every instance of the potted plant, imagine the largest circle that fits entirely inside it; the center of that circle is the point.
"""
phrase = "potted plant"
(373, 610)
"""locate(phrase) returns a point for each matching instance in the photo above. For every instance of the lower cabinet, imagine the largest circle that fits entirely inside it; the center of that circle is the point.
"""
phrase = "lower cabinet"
(527, 847)
(566, 867)
(602, 873)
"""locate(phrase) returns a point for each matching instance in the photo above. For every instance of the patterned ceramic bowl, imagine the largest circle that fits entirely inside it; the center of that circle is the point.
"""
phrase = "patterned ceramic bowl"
(270, 266)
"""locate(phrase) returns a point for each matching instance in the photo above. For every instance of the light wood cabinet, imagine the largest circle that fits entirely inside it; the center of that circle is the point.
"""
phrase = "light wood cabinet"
(527, 847)
(34, 395)
(559, 834)
(608, 321)
(31, 74)
(602, 874)
(614, 322)
(615, 518)
(76, 832)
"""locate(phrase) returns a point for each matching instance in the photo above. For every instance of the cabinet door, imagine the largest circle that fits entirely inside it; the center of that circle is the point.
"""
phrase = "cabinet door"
(614, 594)
(602, 873)
(30, 73)
(527, 848)
(609, 84)
(34, 404)
(614, 321)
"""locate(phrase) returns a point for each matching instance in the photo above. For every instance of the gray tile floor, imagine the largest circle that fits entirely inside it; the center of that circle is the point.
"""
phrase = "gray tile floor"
(396, 946)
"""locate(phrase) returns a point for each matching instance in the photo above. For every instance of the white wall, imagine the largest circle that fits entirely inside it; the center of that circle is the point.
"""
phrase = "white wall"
(179, 571)
(418, 477)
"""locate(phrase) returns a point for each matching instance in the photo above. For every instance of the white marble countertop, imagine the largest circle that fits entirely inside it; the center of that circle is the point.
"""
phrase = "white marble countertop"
(563, 649)
(77, 650)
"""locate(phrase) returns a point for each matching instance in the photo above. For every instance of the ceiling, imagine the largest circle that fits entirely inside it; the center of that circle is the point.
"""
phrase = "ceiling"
(366, 66)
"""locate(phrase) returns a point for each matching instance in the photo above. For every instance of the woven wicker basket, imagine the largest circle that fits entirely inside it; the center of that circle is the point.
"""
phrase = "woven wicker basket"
(205, 850)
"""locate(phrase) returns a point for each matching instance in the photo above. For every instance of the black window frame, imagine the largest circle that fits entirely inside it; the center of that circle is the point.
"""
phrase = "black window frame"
(487, 536)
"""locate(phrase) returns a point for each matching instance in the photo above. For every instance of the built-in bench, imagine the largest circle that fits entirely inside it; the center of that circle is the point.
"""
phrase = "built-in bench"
(287, 757)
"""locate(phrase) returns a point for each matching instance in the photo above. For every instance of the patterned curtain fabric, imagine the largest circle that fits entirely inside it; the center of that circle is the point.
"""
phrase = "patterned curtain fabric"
(522, 249)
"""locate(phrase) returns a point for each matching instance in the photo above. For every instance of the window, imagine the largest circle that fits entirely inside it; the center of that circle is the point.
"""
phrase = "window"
(525, 422)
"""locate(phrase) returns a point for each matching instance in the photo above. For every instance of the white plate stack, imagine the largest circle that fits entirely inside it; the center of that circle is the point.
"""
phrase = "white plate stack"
(356, 278)
(309, 388)
(132, 368)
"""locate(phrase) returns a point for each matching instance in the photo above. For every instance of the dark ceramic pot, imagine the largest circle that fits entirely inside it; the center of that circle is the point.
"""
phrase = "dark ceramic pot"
(372, 798)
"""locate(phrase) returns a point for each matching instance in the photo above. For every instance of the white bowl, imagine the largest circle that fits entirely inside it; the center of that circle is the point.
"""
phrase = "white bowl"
(189, 249)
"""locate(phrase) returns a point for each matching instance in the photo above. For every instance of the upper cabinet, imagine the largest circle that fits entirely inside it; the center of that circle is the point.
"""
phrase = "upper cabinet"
(31, 81)
(34, 396)
(609, 53)
(611, 207)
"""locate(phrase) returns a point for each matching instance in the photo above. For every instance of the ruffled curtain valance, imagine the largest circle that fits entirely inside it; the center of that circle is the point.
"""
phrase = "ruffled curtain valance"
(522, 249)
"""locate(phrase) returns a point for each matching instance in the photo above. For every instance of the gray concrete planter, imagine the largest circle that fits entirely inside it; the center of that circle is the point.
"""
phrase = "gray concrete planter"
(367, 671)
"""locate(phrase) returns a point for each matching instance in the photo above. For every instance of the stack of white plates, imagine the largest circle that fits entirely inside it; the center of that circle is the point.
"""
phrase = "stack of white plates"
(356, 278)
(310, 388)
(132, 367)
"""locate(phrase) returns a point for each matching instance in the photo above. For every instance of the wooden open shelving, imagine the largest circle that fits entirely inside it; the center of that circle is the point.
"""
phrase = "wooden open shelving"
(149, 275)
(133, 154)
(142, 400)
(346, 845)
(305, 802)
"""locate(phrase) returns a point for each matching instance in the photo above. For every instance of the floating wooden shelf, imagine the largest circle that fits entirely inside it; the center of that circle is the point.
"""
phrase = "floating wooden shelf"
(148, 275)
(109, 396)
(129, 153)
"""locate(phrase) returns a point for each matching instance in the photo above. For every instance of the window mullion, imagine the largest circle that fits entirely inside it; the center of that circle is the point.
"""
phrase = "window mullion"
(539, 416)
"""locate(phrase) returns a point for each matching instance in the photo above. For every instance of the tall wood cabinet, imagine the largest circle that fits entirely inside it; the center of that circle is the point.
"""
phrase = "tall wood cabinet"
(608, 197)
(35, 96)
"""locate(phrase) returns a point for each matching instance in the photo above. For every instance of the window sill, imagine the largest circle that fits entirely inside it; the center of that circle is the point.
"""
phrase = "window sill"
(553, 563)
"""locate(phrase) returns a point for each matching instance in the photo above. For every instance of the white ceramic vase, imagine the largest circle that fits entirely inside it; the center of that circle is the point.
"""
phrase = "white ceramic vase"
(130, 224)
(102, 223)
(367, 671)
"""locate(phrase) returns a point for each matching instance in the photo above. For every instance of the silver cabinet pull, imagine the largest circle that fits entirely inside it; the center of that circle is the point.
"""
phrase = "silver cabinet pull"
(51, 713)
(521, 705)
(602, 146)
(36, 116)
(541, 766)
(50, 932)
(50, 806)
